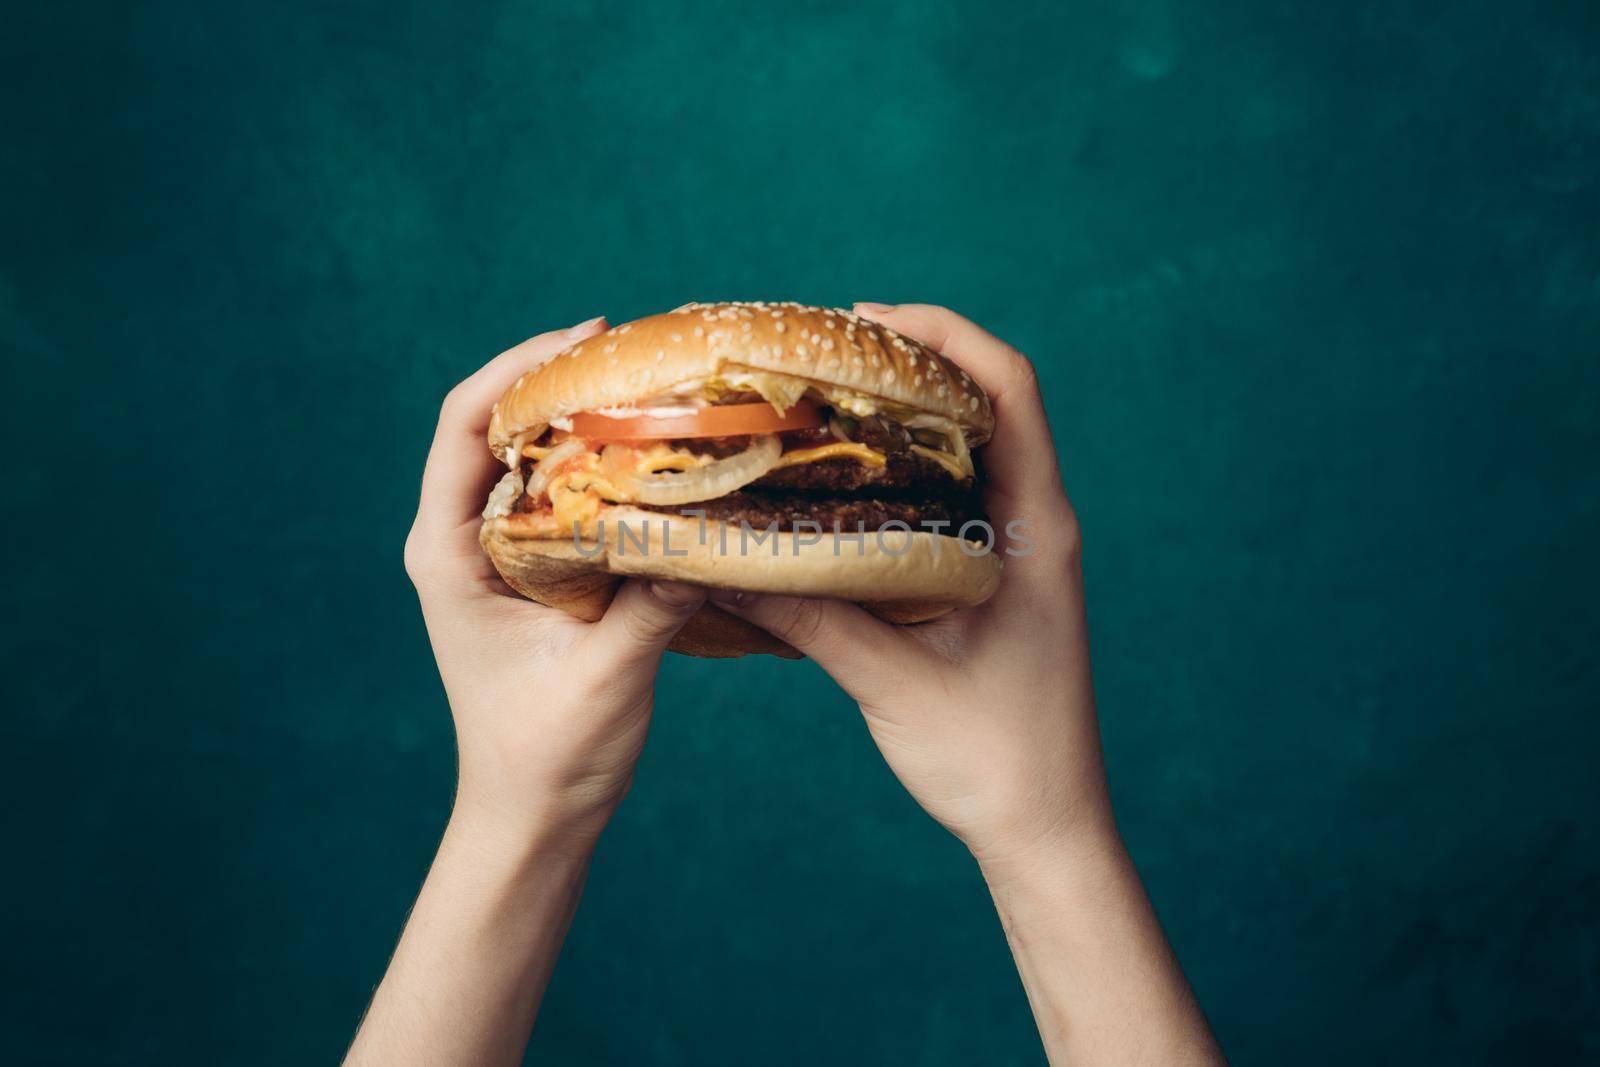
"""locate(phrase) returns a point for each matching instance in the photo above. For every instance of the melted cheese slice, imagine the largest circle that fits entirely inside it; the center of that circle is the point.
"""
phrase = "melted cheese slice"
(870, 457)
(578, 491)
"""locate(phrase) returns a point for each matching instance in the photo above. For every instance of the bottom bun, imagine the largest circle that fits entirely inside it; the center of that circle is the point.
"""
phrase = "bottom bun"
(900, 576)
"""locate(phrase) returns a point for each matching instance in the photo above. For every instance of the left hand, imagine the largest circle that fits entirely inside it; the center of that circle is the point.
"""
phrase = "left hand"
(550, 712)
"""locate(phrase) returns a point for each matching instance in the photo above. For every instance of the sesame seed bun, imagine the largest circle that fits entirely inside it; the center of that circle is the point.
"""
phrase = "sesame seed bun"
(900, 576)
(831, 347)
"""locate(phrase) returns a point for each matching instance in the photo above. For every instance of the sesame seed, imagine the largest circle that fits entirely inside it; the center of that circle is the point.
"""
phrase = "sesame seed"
(912, 359)
(699, 331)
(660, 355)
(973, 403)
(625, 327)
(802, 350)
(827, 344)
(942, 390)
(830, 324)
(780, 327)
(917, 380)
(888, 375)
(858, 361)
(677, 338)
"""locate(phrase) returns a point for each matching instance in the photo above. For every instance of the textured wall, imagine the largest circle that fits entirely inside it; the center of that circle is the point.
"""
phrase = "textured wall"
(1315, 294)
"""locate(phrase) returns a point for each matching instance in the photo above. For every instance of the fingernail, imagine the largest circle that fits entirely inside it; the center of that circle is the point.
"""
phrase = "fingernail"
(872, 308)
(586, 326)
(732, 598)
(676, 594)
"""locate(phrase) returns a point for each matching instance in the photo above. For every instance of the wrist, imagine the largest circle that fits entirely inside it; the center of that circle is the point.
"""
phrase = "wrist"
(483, 822)
(1083, 845)
(1044, 815)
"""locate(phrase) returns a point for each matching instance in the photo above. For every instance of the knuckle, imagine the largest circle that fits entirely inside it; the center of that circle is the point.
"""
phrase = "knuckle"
(419, 560)
(1071, 539)
(1054, 528)
(412, 556)
(455, 403)
(1024, 375)
(643, 624)
(801, 622)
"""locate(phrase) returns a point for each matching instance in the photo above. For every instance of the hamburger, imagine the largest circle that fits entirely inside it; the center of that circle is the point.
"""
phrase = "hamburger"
(766, 447)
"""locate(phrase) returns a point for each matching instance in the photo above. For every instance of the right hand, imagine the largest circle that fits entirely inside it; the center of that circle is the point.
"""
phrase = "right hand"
(986, 715)
(550, 712)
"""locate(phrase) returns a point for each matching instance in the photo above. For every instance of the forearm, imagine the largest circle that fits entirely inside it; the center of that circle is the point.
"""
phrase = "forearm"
(466, 979)
(1102, 981)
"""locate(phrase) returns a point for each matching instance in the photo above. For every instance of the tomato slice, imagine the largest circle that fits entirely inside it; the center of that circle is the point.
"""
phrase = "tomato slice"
(721, 420)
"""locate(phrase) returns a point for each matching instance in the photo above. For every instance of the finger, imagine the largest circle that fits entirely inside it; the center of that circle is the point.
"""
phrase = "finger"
(460, 459)
(846, 641)
(1020, 468)
(460, 468)
(642, 620)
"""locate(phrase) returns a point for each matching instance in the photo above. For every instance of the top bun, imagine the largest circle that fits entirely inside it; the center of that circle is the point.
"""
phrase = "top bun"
(836, 349)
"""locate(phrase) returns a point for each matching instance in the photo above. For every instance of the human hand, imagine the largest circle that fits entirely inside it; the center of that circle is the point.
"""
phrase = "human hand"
(986, 715)
(550, 712)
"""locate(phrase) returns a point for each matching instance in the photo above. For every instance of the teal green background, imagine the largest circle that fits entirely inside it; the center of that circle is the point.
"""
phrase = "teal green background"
(1314, 291)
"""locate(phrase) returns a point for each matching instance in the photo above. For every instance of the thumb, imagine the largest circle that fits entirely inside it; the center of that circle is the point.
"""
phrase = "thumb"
(849, 643)
(643, 619)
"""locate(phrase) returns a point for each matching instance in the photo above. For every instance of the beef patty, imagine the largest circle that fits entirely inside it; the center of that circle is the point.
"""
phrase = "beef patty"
(762, 509)
(901, 470)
